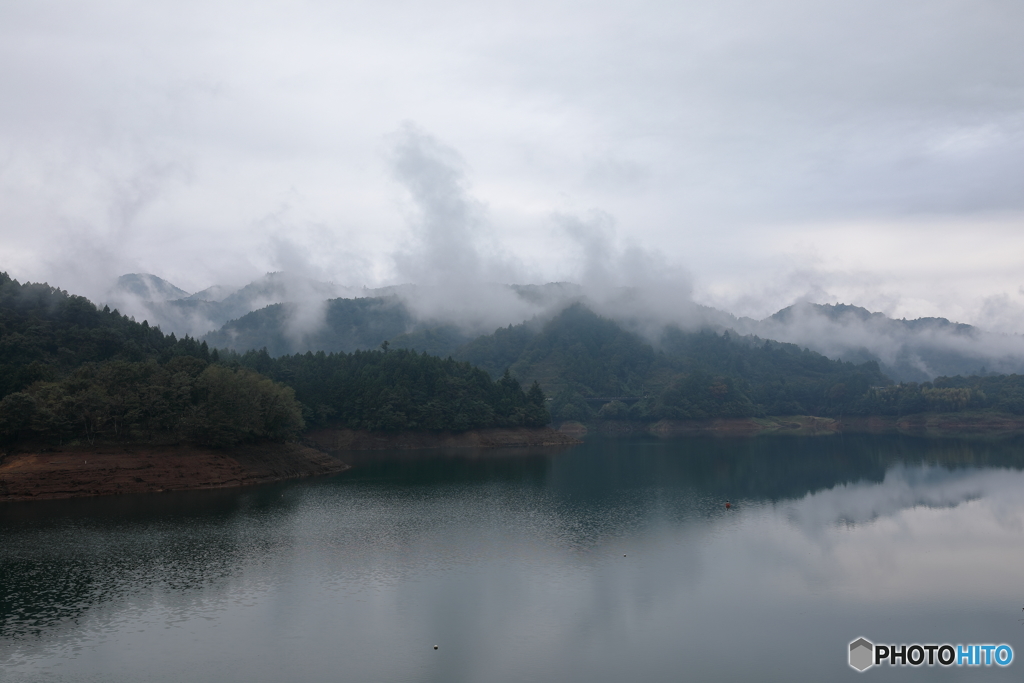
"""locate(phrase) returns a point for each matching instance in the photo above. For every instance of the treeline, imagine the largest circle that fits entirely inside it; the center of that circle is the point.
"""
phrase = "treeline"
(395, 390)
(185, 399)
(348, 324)
(731, 376)
(581, 357)
(998, 393)
(45, 333)
(69, 371)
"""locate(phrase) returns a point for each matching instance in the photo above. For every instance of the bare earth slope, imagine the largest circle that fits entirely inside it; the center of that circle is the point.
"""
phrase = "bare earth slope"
(95, 471)
(75, 471)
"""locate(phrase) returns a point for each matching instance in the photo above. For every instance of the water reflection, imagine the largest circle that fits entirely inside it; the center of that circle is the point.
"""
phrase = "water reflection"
(515, 563)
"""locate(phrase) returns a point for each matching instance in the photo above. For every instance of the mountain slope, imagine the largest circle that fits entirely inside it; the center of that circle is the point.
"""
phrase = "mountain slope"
(148, 297)
(907, 350)
(292, 306)
(585, 359)
(337, 325)
(147, 287)
(71, 373)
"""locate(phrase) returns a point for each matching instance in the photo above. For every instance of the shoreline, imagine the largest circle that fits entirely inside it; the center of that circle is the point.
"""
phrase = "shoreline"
(341, 440)
(80, 471)
(111, 469)
(936, 425)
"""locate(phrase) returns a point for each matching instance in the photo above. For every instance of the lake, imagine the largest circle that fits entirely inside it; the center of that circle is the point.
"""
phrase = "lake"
(616, 560)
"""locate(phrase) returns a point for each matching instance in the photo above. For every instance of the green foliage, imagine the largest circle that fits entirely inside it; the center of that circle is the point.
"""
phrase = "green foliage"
(495, 352)
(398, 389)
(689, 375)
(46, 333)
(998, 393)
(614, 410)
(778, 379)
(441, 341)
(699, 395)
(69, 371)
(570, 406)
(182, 400)
(347, 325)
(237, 404)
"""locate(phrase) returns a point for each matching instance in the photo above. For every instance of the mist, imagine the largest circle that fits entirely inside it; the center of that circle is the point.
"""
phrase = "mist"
(749, 155)
(456, 265)
(462, 276)
(908, 350)
(450, 267)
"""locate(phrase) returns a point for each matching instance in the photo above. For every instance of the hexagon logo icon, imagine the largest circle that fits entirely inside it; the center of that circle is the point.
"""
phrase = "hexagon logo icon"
(861, 654)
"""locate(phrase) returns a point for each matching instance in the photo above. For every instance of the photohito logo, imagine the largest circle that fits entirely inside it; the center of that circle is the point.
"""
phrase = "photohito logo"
(865, 654)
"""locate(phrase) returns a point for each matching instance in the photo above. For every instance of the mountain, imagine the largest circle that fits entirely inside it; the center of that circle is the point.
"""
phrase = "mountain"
(907, 350)
(288, 313)
(146, 287)
(148, 297)
(213, 293)
(585, 359)
(73, 373)
(581, 358)
(337, 325)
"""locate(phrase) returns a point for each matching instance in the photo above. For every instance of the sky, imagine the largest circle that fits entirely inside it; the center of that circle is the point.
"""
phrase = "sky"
(747, 154)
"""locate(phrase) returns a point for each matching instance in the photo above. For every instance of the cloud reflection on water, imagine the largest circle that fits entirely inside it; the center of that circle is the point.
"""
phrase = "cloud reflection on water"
(521, 574)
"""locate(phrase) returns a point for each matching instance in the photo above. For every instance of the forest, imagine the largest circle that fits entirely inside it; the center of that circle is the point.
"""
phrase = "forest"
(580, 358)
(583, 359)
(72, 372)
(397, 389)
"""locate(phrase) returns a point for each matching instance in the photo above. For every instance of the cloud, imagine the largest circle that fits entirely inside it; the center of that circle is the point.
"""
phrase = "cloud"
(156, 138)
(461, 273)
(448, 224)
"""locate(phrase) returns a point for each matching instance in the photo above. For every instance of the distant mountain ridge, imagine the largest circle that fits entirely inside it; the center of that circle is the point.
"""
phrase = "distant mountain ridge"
(915, 350)
(336, 325)
(175, 310)
(148, 287)
(290, 313)
(71, 371)
(841, 312)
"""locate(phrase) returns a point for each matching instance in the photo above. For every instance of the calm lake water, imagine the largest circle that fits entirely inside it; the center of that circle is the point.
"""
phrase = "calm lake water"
(612, 561)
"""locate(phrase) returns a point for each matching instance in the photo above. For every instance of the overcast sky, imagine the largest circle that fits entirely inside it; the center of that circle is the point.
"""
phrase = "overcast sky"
(759, 152)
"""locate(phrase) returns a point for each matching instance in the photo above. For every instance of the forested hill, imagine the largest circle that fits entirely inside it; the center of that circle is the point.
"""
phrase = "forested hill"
(45, 333)
(337, 325)
(581, 358)
(396, 390)
(71, 373)
(584, 360)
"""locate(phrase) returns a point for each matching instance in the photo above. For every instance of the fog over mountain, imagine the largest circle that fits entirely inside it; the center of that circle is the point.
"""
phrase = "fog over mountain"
(457, 278)
(177, 311)
(457, 282)
(908, 350)
(290, 314)
(742, 155)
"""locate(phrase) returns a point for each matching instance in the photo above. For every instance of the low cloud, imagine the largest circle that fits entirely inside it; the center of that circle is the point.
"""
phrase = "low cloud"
(462, 275)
